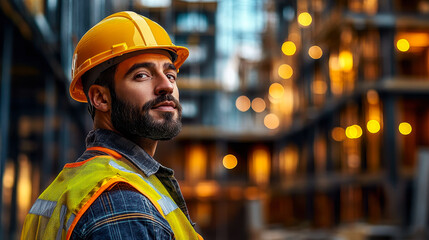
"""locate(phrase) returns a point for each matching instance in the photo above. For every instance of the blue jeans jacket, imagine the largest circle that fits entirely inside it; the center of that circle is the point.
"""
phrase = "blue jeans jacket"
(122, 212)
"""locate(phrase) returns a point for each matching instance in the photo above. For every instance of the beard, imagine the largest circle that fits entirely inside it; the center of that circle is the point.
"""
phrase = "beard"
(136, 122)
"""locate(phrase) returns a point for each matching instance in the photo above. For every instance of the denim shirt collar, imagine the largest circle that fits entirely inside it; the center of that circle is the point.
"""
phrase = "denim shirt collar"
(128, 149)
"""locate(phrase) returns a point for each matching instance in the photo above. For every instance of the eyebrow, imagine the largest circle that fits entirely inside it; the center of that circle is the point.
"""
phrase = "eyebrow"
(149, 65)
(170, 66)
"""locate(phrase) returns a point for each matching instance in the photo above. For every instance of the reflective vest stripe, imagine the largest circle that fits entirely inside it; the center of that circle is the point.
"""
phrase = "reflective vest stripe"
(63, 213)
(43, 208)
(166, 203)
(70, 221)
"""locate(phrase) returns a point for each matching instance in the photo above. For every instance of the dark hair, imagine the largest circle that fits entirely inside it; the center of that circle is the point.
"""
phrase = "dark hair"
(105, 79)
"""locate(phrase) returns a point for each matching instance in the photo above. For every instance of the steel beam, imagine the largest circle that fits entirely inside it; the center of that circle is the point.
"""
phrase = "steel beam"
(5, 104)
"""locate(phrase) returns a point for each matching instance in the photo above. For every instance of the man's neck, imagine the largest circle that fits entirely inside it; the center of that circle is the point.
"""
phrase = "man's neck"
(148, 145)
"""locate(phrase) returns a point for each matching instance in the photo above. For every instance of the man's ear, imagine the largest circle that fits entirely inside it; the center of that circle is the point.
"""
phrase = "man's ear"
(99, 97)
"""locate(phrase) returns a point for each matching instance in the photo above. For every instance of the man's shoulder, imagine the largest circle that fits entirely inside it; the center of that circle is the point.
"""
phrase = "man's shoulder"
(122, 209)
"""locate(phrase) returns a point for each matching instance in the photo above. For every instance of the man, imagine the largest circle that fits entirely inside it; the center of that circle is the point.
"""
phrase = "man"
(125, 67)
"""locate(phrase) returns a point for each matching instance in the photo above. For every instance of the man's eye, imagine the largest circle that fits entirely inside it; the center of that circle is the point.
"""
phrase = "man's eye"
(171, 77)
(141, 76)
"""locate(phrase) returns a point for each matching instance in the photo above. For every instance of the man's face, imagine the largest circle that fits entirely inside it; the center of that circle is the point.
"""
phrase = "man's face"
(145, 101)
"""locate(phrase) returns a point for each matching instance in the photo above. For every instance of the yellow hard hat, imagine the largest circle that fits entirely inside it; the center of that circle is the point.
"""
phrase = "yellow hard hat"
(116, 35)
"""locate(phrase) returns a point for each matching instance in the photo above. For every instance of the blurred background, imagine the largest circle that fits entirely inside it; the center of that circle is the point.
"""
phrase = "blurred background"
(302, 119)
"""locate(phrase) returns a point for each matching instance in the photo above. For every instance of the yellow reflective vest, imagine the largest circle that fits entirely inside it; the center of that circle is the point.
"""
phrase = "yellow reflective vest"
(57, 210)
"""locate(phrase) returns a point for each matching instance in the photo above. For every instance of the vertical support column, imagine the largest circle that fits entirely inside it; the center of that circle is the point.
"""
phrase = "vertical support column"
(387, 52)
(309, 140)
(390, 153)
(222, 177)
(390, 148)
(329, 141)
(389, 158)
(48, 131)
(385, 6)
(419, 207)
(65, 37)
(5, 105)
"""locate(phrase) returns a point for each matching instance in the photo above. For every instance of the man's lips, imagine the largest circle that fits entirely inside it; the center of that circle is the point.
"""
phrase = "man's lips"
(167, 105)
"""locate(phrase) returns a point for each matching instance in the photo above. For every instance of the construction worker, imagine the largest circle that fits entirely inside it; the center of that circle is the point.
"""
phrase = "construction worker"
(125, 67)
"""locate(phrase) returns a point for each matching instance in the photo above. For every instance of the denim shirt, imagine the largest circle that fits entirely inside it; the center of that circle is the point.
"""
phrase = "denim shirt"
(122, 212)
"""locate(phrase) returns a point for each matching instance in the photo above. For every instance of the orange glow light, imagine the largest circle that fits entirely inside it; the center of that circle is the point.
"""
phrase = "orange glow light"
(372, 97)
(305, 19)
(354, 132)
(405, 128)
(319, 87)
(403, 45)
(229, 161)
(9, 175)
(24, 186)
(276, 90)
(197, 162)
(285, 71)
(289, 158)
(271, 121)
(373, 126)
(338, 134)
(258, 105)
(315, 52)
(346, 60)
(207, 189)
(288, 48)
(260, 164)
(242, 103)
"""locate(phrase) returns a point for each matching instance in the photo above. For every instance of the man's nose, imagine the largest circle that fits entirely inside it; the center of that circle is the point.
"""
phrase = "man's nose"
(163, 85)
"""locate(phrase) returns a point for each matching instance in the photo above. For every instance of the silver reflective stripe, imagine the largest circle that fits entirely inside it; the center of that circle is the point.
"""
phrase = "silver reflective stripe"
(70, 221)
(117, 166)
(166, 203)
(43, 208)
(62, 218)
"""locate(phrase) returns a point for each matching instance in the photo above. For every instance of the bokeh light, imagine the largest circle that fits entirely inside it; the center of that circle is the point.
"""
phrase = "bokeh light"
(205, 189)
(305, 19)
(405, 128)
(372, 96)
(242, 103)
(258, 105)
(403, 45)
(229, 161)
(276, 90)
(346, 60)
(271, 121)
(315, 52)
(338, 134)
(289, 48)
(319, 87)
(373, 126)
(353, 132)
(285, 71)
